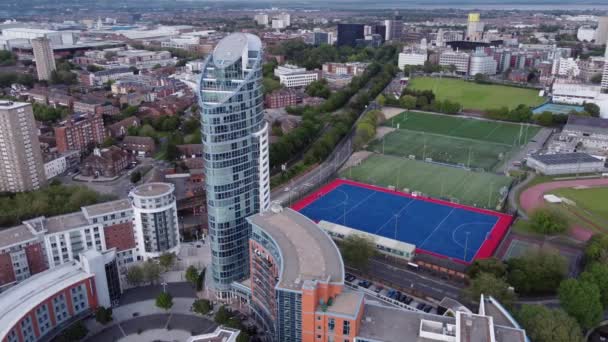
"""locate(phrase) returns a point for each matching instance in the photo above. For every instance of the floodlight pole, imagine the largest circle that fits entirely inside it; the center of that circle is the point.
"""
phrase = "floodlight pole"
(490, 194)
(466, 244)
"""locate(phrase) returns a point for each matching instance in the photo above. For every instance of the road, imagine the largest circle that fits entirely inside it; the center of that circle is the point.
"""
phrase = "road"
(407, 279)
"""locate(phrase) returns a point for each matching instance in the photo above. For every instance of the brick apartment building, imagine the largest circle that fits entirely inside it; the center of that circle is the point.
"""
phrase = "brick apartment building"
(108, 162)
(281, 98)
(80, 131)
(139, 145)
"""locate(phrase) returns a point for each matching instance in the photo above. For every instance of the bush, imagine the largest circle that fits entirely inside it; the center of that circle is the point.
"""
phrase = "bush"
(75, 332)
(547, 221)
(164, 301)
(202, 306)
(103, 315)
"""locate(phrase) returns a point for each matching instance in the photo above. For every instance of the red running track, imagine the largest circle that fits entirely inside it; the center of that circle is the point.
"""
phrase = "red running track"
(486, 250)
(532, 197)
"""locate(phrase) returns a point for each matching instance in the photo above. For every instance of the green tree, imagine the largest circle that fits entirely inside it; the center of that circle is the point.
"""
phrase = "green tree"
(488, 285)
(407, 102)
(164, 301)
(547, 221)
(76, 332)
(151, 271)
(357, 250)
(202, 306)
(549, 325)
(537, 272)
(598, 274)
(135, 275)
(544, 119)
(270, 85)
(7, 58)
(135, 177)
(493, 266)
(167, 260)
(592, 109)
(581, 300)
(480, 78)
(103, 315)
(597, 249)
(108, 141)
(222, 316)
(191, 275)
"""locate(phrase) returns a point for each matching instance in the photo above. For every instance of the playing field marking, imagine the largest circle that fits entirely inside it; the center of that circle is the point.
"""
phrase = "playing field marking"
(437, 227)
(393, 215)
(340, 204)
(464, 122)
(356, 205)
(492, 131)
(463, 225)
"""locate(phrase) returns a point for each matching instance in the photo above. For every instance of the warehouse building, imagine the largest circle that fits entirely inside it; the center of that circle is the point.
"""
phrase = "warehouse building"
(565, 163)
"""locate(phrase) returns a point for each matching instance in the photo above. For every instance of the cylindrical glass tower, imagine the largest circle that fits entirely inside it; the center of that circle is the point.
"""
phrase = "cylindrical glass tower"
(235, 140)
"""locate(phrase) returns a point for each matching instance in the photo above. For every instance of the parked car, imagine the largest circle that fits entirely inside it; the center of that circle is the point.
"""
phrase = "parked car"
(427, 309)
(420, 306)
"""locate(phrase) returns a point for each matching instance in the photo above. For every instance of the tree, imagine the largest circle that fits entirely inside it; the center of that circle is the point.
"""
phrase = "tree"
(243, 337)
(492, 266)
(202, 306)
(488, 285)
(191, 275)
(547, 221)
(167, 260)
(598, 274)
(581, 300)
(222, 316)
(597, 249)
(480, 78)
(135, 275)
(151, 271)
(135, 177)
(103, 315)
(592, 109)
(357, 250)
(537, 272)
(164, 301)
(108, 141)
(549, 325)
(381, 99)
(270, 85)
(76, 332)
(407, 102)
(544, 119)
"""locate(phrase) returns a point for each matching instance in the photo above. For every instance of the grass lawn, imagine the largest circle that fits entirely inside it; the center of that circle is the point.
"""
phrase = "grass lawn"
(511, 134)
(477, 96)
(592, 200)
(467, 187)
(441, 148)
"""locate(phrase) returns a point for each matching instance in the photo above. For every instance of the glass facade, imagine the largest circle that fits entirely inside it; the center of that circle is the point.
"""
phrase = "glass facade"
(235, 140)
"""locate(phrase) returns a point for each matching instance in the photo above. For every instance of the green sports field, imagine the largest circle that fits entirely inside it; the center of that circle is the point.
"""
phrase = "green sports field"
(441, 148)
(472, 188)
(457, 126)
(592, 201)
(477, 96)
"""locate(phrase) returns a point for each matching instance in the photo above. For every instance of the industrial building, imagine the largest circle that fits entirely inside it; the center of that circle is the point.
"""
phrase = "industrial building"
(565, 163)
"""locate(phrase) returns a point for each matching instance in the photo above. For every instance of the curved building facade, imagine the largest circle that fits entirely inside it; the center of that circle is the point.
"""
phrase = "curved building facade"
(155, 219)
(235, 140)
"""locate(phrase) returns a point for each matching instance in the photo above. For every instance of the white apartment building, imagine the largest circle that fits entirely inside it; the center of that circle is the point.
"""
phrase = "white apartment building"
(155, 219)
(261, 19)
(567, 67)
(458, 59)
(31, 33)
(482, 64)
(292, 76)
(604, 84)
(412, 57)
(585, 34)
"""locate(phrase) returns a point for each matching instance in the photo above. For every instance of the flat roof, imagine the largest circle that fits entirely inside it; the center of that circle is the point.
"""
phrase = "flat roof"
(152, 189)
(65, 222)
(378, 239)
(384, 323)
(308, 252)
(474, 327)
(587, 122)
(12, 104)
(565, 158)
(347, 303)
(14, 235)
(18, 300)
(233, 46)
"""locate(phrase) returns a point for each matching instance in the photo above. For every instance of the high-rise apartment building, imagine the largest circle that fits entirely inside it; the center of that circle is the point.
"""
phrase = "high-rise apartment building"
(601, 33)
(45, 60)
(394, 29)
(604, 85)
(155, 219)
(235, 144)
(21, 166)
(349, 33)
(474, 27)
(79, 132)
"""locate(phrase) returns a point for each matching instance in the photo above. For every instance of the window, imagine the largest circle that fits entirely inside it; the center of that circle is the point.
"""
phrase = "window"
(331, 324)
(346, 328)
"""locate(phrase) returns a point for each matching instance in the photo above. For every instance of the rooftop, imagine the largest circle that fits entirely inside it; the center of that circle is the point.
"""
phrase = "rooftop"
(565, 158)
(347, 303)
(14, 235)
(152, 189)
(61, 223)
(12, 104)
(106, 208)
(17, 301)
(308, 252)
(587, 121)
(233, 47)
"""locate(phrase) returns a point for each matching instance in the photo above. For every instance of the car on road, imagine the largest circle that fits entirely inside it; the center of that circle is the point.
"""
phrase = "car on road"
(365, 283)
(427, 308)
(420, 306)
